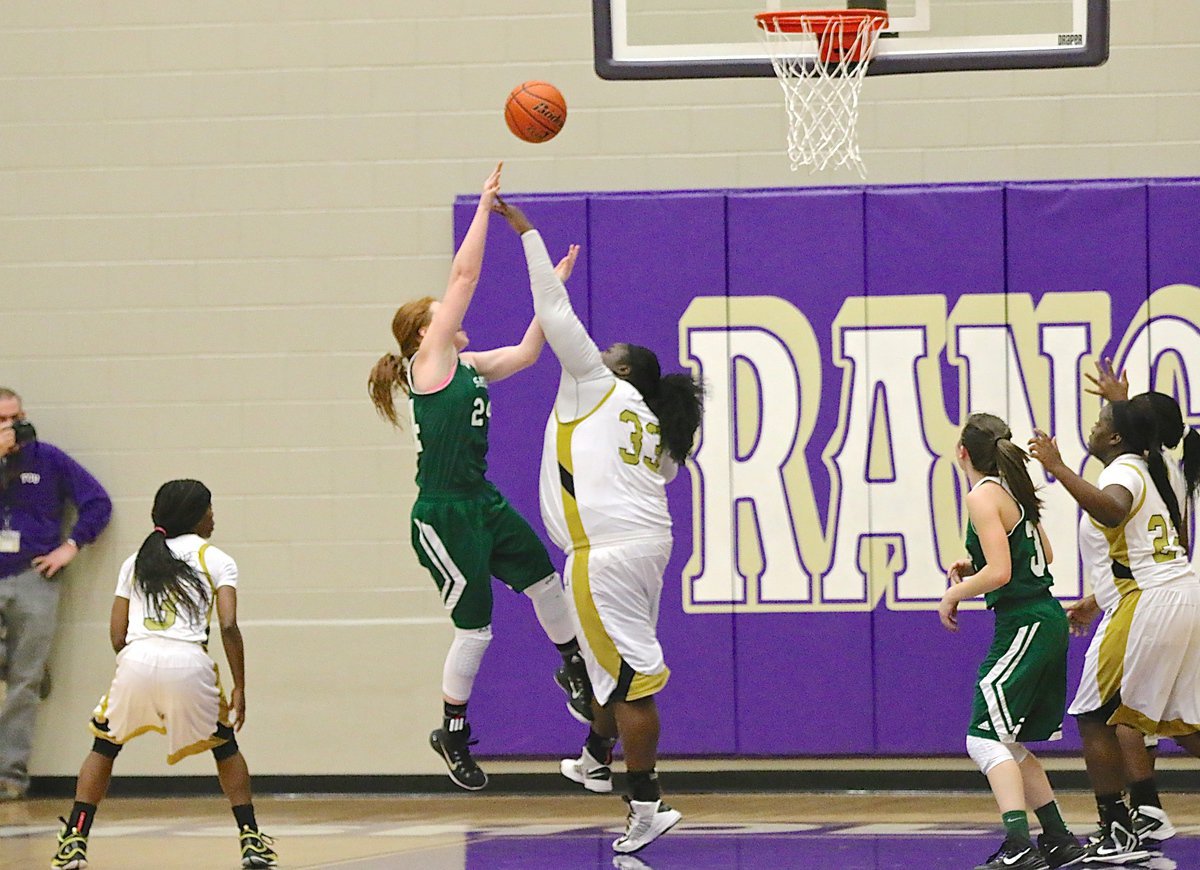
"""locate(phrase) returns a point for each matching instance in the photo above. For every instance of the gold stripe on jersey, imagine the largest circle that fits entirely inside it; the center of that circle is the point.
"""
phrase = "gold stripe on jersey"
(644, 685)
(1110, 664)
(602, 645)
(1118, 545)
(212, 598)
(1142, 722)
(606, 652)
(566, 471)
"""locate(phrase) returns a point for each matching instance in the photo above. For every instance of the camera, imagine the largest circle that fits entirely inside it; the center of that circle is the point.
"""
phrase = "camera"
(24, 431)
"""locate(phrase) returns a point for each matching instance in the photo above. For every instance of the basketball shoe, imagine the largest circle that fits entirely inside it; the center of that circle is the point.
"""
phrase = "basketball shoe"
(646, 822)
(1015, 855)
(1117, 846)
(256, 849)
(1061, 850)
(572, 678)
(588, 772)
(1152, 825)
(456, 752)
(72, 849)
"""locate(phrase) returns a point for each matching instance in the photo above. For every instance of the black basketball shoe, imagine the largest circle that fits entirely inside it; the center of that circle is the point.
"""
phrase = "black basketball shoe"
(1060, 850)
(572, 678)
(1015, 855)
(455, 751)
(1117, 846)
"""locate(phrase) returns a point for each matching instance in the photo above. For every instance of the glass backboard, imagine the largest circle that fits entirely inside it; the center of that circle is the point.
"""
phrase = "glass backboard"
(678, 39)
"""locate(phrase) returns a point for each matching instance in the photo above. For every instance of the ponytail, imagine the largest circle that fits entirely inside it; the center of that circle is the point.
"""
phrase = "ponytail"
(988, 441)
(389, 373)
(168, 582)
(676, 400)
(678, 403)
(1191, 463)
(1137, 422)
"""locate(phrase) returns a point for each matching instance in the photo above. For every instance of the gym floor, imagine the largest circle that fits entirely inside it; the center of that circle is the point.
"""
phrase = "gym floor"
(836, 831)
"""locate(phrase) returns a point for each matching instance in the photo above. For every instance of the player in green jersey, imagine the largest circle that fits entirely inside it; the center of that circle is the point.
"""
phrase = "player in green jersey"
(1022, 687)
(463, 530)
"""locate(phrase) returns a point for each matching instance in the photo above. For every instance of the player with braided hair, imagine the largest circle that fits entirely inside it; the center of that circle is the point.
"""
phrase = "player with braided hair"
(165, 679)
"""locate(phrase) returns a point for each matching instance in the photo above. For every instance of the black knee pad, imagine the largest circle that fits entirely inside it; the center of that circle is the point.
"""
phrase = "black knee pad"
(227, 749)
(106, 748)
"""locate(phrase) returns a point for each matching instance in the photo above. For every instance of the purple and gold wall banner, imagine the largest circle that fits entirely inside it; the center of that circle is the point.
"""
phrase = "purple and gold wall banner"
(843, 335)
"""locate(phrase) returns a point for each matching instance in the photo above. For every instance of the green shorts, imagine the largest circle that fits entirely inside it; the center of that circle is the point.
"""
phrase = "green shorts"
(1021, 693)
(465, 541)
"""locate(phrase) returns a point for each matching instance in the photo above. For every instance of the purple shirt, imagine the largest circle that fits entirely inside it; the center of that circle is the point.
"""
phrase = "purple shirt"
(41, 480)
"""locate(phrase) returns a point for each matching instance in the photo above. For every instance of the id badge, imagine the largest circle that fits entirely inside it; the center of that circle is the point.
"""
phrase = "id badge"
(10, 541)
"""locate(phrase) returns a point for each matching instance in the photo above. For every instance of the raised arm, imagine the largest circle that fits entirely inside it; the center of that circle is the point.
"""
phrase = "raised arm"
(499, 363)
(1109, 506)
(437, 354)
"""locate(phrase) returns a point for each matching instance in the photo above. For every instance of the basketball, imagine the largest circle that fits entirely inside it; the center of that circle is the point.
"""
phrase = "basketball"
(535, 111)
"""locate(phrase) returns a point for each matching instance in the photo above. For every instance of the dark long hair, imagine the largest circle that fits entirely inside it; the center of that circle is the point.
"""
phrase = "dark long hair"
(1137, 424)
(1171, 430)
(676, 399)
(163, 577)
(988, 441)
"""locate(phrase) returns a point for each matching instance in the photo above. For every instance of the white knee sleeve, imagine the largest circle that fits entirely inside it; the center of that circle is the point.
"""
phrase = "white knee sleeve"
(988, 753)
(550, 605)
(462, 661)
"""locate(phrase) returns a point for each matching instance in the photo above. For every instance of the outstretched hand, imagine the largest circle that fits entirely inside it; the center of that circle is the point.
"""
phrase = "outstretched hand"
(515, 217)
(567, 264)
(1044, 449)
(491, 189)
(1108, 385)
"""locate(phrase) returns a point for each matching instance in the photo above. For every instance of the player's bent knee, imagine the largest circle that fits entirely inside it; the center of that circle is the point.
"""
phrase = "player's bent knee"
(107, 748)
(987, 754)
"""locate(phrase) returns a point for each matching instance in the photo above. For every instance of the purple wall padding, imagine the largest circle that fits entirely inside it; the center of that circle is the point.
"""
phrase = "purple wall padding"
(805, 247)
(943, 241)
(794, 683)
(1174, 232)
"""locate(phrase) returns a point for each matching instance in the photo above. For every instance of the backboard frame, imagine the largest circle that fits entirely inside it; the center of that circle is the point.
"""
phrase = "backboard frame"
(1092, 52)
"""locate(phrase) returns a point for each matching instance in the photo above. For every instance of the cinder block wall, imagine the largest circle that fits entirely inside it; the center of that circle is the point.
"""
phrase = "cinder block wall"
(209, 211)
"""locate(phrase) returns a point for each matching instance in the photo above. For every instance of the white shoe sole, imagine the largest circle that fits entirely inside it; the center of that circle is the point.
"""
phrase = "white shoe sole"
(569, 768)
(1118, 860)
(662, 823)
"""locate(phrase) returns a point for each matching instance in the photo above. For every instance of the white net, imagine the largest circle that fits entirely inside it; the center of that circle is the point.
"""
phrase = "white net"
(821, 86)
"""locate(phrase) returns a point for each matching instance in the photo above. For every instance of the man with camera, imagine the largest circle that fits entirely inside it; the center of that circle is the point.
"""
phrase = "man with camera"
(37, 480)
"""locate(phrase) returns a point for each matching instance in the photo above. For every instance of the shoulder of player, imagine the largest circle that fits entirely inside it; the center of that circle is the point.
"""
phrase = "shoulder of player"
(213, 553)
(988, 491)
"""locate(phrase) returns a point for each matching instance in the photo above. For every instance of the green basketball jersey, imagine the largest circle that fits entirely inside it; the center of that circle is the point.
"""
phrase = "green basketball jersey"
(1030, 573)
(451, 431)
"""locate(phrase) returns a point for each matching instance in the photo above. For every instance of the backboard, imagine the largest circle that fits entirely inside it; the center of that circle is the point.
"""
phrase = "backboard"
(682, 39)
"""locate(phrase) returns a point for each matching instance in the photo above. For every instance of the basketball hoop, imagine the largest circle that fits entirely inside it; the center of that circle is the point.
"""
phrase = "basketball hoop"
(821, 95)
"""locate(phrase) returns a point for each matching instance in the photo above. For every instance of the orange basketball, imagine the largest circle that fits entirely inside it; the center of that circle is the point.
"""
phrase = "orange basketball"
(535, 111)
